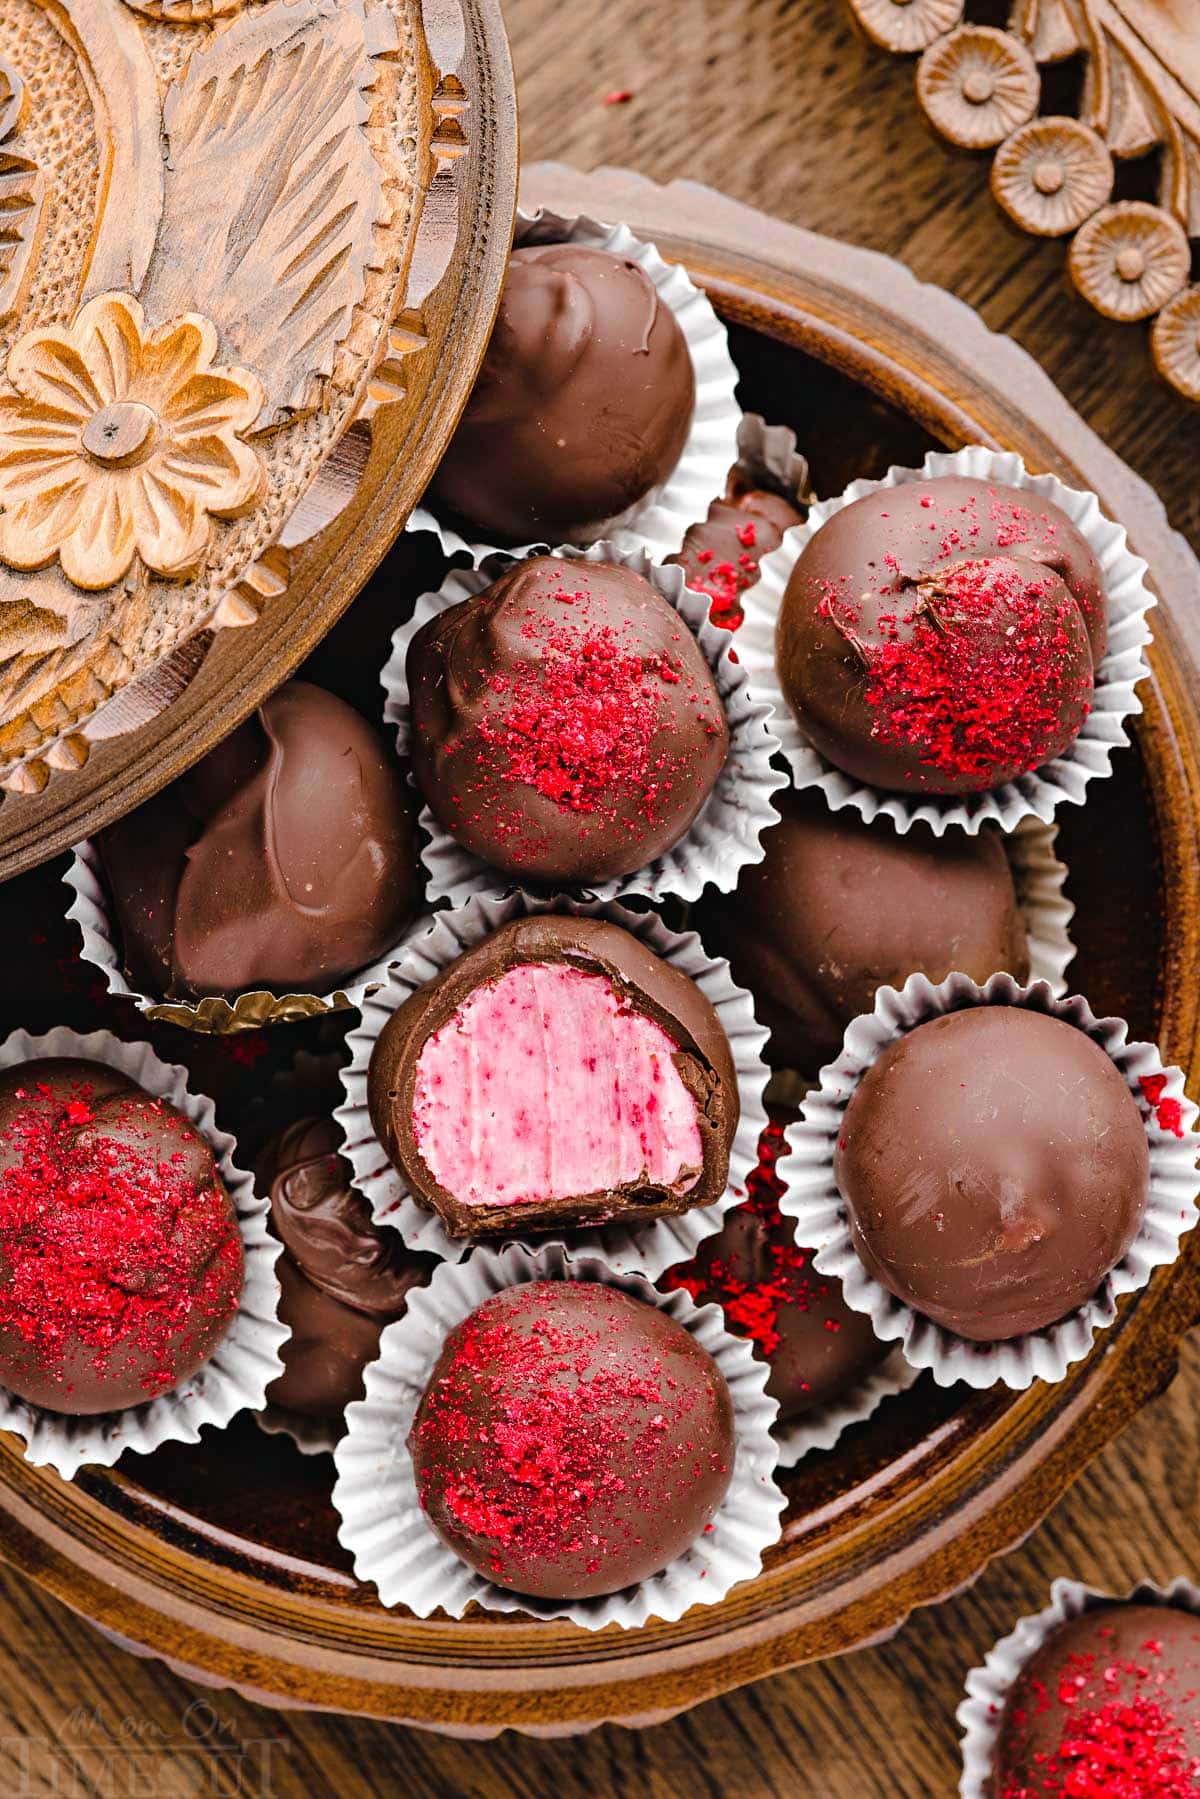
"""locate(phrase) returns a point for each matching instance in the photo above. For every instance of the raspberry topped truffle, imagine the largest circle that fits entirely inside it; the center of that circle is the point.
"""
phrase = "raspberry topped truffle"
(597, 1079)
(572, 1440)
(721, 553)
(1107, 1708)
(121, 1261)
(942, 636)
(583, 404)
(565, 724)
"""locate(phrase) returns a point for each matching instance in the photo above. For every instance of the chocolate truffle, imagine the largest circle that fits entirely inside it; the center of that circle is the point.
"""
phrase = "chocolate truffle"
(597, 1079)
(121, 1261)
(285, 860)
(1108, 1705)
(572, 1440)
(721, 553)
(942, 636)
(565, 725)
(995, 1167)
(343, 1276)
(838, 908)
(814, 1344)
(583, 404)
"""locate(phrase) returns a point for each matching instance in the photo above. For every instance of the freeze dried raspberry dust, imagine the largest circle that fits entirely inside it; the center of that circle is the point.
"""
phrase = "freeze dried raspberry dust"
(572, 1440)
(120, 1250)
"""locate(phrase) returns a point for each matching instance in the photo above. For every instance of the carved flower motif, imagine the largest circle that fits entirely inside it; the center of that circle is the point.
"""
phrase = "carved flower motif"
(1051, 175)
(1130, 259)
(906, 26)
(1175, 340)
(977, 85)
(122, 442)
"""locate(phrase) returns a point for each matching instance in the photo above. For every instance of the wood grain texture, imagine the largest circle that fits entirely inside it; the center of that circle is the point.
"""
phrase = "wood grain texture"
(737, 95)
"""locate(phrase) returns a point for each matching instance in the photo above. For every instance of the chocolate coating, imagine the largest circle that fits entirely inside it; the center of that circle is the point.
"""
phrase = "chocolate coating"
(1110, 1703)
(942, 636)
(285, 860)
(995, 1166)
(721, 553)
(646, 985)
(566, 726)
(838, 908)
(343, 1276)
(572, 1440)
(797, 1320)
(583, 403)
(121, 1260)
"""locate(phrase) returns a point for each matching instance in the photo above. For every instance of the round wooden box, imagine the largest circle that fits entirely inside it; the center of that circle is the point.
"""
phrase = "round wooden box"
(223, 1559)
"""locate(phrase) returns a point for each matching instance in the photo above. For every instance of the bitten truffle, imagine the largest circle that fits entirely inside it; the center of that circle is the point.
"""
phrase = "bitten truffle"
(285, 860)
(721, 553)
(995, 1167)
(838, 908)
(565, 724)
(572, 1440)
(121, 1261)
(814, 1344)
(343, 1277)
(597, 1078)
(942, 636)
(582, 406)
(1108, 1706)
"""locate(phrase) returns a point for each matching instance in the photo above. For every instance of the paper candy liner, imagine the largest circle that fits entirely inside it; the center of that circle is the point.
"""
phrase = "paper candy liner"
(646, 1248)
(1039, 878)
(386, 1531)
(247, 1012)
(312, 1436)
(726, 835)
(245, 1361)
(767, 456)
(813, 1200)
(821, 1427)
(658, 522)
(1106, 727)
(981, 1712)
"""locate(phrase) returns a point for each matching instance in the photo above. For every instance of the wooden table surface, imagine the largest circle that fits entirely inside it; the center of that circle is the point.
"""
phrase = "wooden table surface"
(777, 102)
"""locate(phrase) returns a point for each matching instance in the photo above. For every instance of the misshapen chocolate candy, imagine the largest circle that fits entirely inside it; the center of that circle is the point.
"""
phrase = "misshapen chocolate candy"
(565, 724)
(121, 1261)
(596, 1077)
(572, 1440)
(815, 1345)
(285, 860)
(583, 404)
(721, 553)
(995, 1167)
(942, 636)
(1109, 1704)
(343, 1277)
(838, 908)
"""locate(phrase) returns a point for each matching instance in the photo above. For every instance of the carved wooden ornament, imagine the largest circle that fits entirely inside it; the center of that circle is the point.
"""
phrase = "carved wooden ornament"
(1054, 176)
(205, 212)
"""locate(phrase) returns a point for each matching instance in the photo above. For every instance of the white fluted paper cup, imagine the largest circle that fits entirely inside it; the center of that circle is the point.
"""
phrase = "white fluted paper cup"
(725, 837)
(246, 1360)
(982, 1711)
(90, 910)
(821, 1427)
(1115, 702)
(813, 1200)
(768, 457)
(312, 1436)
(647, 1248)
(659, 521)
(1040, 879)
(375, 1493)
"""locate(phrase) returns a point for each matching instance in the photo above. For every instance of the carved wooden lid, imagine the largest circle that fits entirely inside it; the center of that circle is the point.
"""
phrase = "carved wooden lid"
(208, 212)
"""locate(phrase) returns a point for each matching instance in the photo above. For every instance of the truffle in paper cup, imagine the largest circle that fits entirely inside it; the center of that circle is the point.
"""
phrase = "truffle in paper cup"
(821, 1428)
(767, 456)
(814, 1201)
(727, 834)
(245, 1361)
(386, 1531)
(1115, 700)
(658, 522)
(981, 1713)
(646, 1248)
(1040, 879)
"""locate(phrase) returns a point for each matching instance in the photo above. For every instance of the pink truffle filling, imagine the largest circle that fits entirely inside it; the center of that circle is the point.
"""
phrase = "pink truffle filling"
(545, 1085)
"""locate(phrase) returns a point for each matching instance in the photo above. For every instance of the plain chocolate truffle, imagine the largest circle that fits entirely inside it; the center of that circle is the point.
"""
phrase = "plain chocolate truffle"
(995, 1167)
(572, 1440)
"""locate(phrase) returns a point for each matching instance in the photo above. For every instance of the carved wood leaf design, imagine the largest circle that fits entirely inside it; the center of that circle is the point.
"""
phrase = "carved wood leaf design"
(272, 190)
